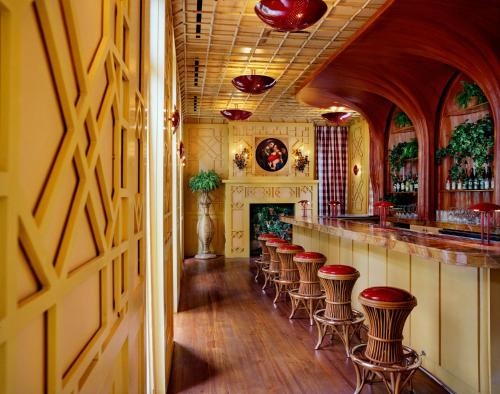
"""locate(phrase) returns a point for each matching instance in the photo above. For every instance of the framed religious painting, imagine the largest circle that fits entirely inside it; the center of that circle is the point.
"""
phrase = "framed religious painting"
(271, 155)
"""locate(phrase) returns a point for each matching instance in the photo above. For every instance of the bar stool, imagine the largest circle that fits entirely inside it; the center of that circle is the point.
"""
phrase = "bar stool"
(272, 272)
(338, 317)
(309, 295)
(384, 356)
(264, 259)
(288, 273)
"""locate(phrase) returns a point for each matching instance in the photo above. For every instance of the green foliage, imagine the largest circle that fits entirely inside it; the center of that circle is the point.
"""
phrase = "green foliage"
(266, 220)
(469, 140)
(468, 91)
(400, 153)
(402, 120)
(204, 181)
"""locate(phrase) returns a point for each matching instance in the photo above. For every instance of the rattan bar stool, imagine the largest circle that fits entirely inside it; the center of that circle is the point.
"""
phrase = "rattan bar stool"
(272, 271)
(263, 261)
(288, 278)
(384, 356)
(338, 317)
(309, 295)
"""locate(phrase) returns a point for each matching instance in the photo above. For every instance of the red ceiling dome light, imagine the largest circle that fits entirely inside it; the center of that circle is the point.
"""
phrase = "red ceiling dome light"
(253, 84)
(337, 117)
(236, 114)
(290, 15)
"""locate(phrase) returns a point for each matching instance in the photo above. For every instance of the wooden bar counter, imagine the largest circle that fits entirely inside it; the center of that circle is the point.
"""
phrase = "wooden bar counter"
(456, 282)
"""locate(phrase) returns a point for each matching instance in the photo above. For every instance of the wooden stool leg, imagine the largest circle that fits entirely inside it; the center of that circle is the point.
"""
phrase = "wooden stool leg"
(360, 378)
(311, 311)
(266, 279)
(258, 273)
(294, 306)
(277, 287)
(321, 334)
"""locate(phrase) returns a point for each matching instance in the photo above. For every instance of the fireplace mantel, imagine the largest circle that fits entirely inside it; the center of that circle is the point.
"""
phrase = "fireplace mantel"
(241, 192)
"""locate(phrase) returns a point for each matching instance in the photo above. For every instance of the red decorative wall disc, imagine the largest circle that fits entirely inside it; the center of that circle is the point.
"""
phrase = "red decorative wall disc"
(290, 15)
(236, 114)
(337, 117)
(253, 84)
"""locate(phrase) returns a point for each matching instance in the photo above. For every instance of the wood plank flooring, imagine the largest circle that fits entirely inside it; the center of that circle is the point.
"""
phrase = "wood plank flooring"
(231, 339)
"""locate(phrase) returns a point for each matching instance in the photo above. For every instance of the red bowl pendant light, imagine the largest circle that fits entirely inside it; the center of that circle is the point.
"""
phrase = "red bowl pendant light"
(337, 117)
(290, 15)
(253, 84)
(236, 114)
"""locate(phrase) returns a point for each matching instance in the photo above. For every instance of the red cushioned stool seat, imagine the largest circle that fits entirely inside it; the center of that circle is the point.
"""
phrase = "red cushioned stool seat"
(267, 236)
(337, 269)
(290, 248)
(386, 294)
(310, 256)
(276, 242)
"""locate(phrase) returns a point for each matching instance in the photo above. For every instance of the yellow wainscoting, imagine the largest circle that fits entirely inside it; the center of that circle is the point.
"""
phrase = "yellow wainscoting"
(451, 322)
(73, 101)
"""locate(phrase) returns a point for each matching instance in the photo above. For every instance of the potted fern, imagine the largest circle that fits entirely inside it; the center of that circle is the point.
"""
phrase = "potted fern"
(203, 183)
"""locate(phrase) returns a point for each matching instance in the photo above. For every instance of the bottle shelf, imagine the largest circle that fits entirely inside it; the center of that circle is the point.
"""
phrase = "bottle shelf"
(409, 129)
(411, 193)
(466, 190)
(471, 110)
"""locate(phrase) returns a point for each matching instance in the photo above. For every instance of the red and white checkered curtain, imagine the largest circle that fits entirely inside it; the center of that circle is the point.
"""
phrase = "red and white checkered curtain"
(331, 148)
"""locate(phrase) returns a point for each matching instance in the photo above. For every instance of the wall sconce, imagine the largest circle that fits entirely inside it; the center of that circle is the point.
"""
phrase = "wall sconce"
(355, 169)
(175, 120)
(301, 160)
(304, 204)
(182, 154)
(241, 157)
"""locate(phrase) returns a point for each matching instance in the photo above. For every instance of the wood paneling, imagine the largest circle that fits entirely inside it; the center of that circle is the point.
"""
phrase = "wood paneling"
(390, 63)
(72, 190)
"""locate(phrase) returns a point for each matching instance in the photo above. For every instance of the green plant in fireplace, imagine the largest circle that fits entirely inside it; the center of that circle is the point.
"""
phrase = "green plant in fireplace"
(468, 92)
(402, 120)
(267, 220)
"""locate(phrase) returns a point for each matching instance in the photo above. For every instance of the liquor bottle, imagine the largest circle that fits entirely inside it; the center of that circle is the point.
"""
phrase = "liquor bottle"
(475, 180)
(416, 183)
(403, 185)
(448, 181)
(397, 185)
(481, 182)
(453, 184)
(409, 187)
(487, 178)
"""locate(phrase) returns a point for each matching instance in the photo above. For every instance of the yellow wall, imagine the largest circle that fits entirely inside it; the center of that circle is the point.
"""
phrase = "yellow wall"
(74, 91)
(451, 322)
(359, 151)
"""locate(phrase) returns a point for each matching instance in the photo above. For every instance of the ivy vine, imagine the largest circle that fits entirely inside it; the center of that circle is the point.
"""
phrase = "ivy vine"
(474, 140)
(469, 90)
(402, 120)
(400, 153)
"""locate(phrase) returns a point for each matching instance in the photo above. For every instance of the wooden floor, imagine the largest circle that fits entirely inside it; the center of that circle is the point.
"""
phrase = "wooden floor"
(231, 339)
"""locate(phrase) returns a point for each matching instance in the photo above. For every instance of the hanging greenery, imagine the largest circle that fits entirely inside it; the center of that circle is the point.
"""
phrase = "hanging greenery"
(402, 120)
(469, 90)
(400, 153)
(204, 181)
(469, 140)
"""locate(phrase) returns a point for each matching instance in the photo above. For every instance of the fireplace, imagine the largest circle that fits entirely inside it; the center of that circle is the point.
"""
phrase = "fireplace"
(264, 218)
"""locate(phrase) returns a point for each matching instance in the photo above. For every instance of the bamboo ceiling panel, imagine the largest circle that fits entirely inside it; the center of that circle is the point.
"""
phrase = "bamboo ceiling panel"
(218, 40)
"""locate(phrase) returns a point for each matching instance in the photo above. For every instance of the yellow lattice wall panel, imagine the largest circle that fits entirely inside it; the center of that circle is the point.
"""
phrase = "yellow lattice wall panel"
(72, 173)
